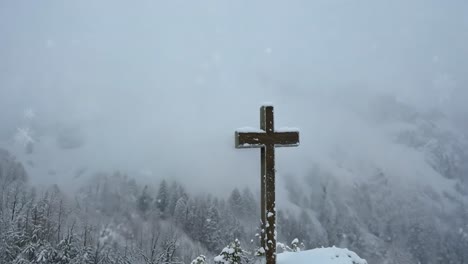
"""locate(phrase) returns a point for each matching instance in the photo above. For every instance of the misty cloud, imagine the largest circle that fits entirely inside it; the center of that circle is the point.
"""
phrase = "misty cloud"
(158, 88)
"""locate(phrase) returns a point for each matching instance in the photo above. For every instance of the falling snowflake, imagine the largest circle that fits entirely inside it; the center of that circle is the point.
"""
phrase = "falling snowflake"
(29, 113)
(23, 136)
(50, 43)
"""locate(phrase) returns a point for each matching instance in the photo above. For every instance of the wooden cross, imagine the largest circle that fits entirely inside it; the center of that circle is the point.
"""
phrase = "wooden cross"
(267, 139)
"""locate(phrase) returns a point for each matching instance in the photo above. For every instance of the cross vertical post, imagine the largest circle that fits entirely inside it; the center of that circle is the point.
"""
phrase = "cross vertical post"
(262, 196)
(267, 139)
(270, 228)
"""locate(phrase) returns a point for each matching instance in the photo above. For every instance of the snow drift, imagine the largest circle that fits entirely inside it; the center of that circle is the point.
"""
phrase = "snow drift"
(331, 255)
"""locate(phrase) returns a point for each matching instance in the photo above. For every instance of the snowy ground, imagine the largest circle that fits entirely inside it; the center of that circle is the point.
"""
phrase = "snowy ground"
(331, 255)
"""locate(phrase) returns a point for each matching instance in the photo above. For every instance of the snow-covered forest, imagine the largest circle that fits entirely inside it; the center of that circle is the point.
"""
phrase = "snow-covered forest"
(115, 218)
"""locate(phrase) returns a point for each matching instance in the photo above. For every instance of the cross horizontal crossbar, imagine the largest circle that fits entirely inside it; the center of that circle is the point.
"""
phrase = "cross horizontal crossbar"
(258, 140)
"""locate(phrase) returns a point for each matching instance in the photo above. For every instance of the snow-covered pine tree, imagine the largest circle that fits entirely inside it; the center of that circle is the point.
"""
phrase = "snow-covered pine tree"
(232, 254)
(236, 203)
(144, 201)
(231, 227)
(176, 191)
(172, 198)
(212, 236)
(162, 197)
(189, 226)
(180, 212)
(249, 204)
(296, 246)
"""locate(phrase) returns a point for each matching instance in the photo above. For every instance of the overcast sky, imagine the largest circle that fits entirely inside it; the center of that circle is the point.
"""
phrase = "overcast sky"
(158, 87)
